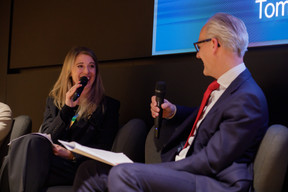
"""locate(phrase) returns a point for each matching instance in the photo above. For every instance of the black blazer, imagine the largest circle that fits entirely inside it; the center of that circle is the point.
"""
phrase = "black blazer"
(98, 131)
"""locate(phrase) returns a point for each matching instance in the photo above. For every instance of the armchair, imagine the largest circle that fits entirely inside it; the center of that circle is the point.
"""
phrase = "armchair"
(21, 125)
(271, 161)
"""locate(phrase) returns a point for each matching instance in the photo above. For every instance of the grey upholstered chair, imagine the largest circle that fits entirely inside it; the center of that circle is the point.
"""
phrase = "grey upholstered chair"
(270, 166)
(153, 146)
(22, 125)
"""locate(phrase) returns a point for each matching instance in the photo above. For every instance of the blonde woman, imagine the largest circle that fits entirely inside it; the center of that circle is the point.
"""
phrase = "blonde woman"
(91, 120)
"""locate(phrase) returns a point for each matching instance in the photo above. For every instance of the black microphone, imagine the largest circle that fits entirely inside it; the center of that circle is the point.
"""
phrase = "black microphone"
(83, 82)
(160, 90)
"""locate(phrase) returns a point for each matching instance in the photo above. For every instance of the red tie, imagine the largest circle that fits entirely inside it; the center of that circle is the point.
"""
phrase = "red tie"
(213, 86)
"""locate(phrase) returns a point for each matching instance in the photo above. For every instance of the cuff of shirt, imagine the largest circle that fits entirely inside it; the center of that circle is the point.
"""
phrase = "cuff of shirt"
(175, 111)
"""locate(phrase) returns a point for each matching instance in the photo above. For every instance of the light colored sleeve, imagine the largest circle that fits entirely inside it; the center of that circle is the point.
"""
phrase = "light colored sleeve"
(5, 121)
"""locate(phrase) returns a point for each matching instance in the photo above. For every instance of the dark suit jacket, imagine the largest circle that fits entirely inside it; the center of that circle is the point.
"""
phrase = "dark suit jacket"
(227, 139)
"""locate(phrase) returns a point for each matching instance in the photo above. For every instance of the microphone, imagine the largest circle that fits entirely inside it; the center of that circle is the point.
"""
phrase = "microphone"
(160, 90)
(83, 82)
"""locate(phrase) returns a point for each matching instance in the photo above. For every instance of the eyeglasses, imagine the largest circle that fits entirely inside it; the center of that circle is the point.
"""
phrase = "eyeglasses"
(203, 41)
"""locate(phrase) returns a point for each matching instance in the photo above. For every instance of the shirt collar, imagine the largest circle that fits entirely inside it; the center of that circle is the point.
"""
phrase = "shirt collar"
(226, 79)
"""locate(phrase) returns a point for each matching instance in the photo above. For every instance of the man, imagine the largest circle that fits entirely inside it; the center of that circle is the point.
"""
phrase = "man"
(228, 133)
(218, 155)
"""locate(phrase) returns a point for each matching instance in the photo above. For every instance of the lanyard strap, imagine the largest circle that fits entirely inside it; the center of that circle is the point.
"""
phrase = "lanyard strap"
(73, 119)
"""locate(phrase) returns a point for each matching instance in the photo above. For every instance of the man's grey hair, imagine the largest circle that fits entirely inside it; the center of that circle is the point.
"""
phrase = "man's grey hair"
(230, 31)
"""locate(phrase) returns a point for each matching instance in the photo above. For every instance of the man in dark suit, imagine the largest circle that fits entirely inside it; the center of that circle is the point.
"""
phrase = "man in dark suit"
(219, 154)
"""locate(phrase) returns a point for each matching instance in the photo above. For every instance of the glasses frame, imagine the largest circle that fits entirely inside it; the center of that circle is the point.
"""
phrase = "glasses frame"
(199, 42)
(202, 41)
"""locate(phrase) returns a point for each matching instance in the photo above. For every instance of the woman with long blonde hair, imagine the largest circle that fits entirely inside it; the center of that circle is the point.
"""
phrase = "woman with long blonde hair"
(90, 119)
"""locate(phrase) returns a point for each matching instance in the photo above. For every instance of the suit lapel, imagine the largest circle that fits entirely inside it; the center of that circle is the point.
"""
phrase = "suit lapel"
(231, 89)
(222, 100)
(188, 123)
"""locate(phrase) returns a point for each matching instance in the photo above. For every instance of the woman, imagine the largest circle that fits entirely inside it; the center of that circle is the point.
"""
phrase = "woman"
(91, 120)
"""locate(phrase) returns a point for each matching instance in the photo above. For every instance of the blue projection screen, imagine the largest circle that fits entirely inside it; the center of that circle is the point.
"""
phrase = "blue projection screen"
(177, 23)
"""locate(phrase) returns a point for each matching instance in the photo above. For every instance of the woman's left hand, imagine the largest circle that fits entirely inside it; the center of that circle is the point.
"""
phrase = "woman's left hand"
(62, 152)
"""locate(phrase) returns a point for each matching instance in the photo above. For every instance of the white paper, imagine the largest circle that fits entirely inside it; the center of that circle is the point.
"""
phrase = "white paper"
(104, 156)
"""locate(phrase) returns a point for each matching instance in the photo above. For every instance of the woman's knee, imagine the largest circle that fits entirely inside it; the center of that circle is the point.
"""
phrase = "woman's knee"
(31, 144)
(32, 140)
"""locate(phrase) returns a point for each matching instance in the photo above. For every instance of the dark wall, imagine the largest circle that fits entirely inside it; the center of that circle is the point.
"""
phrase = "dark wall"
(120, 32)
(269, 67)
(47, 30)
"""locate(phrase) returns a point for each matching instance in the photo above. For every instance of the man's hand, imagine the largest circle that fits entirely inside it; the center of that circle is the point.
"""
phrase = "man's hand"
(169, 109)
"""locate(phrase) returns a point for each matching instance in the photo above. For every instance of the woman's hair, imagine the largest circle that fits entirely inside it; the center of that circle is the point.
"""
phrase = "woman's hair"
(230, 31)
(65, 82)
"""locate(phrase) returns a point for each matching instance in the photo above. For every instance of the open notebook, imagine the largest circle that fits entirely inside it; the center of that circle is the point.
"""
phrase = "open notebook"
(104, 156)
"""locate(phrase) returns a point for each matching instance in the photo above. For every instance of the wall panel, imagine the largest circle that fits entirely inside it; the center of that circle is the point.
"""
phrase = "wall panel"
(43, 32)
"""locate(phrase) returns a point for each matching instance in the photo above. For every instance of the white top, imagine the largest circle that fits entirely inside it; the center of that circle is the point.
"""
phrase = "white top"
(5, 121)
(224, 80)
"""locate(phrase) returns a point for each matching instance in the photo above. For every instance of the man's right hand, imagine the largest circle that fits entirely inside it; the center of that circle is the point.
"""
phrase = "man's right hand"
(169, 109)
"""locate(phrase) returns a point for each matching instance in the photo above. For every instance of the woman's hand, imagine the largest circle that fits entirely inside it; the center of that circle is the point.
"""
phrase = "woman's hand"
(62, 152)
(69, 95)
(169, 109)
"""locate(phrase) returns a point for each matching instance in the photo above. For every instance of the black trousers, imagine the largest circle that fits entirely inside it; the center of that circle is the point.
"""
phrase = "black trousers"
(32, 166)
